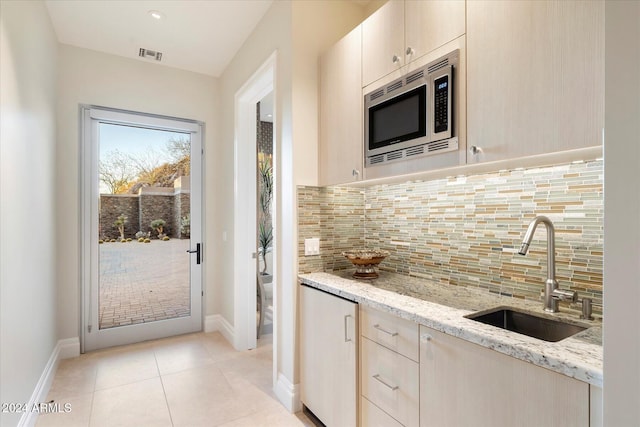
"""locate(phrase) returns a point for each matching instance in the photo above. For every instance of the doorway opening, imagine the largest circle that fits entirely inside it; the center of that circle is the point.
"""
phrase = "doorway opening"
(249, 261)
(144, 200)
(142, 213)
(264, 145)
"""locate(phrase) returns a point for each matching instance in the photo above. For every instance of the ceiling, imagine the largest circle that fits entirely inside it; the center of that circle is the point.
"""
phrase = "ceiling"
(196, 35)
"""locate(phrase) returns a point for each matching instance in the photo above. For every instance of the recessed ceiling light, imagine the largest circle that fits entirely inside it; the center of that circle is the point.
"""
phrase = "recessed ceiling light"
(156, 14)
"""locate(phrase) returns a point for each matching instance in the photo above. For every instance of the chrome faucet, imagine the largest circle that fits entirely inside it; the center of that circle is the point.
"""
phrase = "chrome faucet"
(552, 294)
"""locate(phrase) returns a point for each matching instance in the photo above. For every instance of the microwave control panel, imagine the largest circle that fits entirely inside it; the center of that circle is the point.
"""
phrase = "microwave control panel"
(441, 107)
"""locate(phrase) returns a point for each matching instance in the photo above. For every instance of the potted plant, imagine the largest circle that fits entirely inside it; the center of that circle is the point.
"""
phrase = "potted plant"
(265, 229)
(158, 226)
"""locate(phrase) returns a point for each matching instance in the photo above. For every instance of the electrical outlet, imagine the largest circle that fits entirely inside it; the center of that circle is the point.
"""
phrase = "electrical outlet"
(312, 246)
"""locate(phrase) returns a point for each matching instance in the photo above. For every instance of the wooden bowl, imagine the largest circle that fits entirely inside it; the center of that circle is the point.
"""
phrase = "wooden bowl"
(365, 261)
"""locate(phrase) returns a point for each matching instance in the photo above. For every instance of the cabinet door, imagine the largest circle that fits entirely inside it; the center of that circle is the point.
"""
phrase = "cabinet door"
(382, 40)
(328, 351)
(535, 77)
(341, 112)
(431, 24)
(463, 384)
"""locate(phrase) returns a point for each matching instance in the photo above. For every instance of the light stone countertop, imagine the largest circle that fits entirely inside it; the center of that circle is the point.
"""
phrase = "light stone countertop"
(443, 307)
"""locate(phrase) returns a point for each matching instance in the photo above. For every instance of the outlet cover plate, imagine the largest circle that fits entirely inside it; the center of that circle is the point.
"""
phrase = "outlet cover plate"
(312, 246)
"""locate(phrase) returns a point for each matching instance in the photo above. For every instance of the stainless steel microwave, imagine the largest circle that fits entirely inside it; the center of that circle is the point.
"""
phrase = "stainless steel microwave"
(413, 115)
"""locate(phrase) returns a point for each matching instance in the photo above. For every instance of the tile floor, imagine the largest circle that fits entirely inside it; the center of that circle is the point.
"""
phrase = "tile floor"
(190, 380)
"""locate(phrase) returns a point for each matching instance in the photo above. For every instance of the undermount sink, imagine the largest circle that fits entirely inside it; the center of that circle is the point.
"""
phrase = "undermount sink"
(527, 324)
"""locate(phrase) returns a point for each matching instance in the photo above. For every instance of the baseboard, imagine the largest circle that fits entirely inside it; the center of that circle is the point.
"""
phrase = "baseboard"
(69, 348)
(288, 394)
(64, 349)
(217, 323)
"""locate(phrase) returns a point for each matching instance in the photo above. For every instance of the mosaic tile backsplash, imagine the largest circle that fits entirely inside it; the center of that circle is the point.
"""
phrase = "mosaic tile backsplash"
(465, 231)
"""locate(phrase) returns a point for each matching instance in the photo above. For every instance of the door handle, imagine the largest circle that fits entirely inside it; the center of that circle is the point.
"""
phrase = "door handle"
(197, 252)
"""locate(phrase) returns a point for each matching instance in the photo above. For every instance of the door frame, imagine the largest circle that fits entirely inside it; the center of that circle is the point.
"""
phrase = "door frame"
(260, 84)
(90, 117)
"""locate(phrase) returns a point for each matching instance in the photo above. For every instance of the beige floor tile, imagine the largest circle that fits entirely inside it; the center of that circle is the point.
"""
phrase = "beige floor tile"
(279, 417)
(79, 412)
(178, 355)
(119, 368)
(218, 347)
(74, 377)
(203, 397)
(139, 404)
(189, 380)
(252, 367)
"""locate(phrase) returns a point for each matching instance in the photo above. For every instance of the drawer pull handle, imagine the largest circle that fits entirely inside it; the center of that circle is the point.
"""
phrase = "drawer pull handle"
(381, 329)
(346, 328)
(390, 387)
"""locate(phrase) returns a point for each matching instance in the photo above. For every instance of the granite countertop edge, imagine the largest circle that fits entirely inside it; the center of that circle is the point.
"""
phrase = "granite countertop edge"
(579, 356)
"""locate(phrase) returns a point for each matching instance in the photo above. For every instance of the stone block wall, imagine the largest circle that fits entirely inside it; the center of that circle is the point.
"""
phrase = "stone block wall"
(156, 205)
(181, 209)
(168, 203)
(111, 207)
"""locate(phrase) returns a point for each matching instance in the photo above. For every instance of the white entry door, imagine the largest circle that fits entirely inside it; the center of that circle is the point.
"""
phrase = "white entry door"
(142, 227)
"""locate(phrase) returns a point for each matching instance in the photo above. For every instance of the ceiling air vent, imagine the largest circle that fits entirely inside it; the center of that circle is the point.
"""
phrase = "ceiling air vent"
(151, 54)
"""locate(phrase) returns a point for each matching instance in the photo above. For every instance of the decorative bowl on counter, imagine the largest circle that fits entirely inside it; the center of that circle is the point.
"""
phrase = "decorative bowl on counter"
(365, 261)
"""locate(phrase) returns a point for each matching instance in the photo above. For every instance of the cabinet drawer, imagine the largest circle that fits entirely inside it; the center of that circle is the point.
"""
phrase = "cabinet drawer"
(390, 381)
(397, 334)
(372, 416)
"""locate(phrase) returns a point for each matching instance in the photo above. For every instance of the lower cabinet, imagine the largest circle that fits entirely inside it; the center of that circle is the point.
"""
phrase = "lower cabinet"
(411, 375)
(372, 416)
(389, 370)
(464, 384)
(328, 350)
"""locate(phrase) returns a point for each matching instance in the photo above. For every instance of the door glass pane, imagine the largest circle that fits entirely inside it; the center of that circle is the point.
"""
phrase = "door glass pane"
(144, 225)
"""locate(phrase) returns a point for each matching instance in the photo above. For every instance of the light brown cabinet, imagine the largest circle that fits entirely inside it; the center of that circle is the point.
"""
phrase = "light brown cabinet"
(431, 24)
(389, 369)
(464, 384)
(383, 42)
(403, 31)
(328, 352)
(340, 152)
(535, 77)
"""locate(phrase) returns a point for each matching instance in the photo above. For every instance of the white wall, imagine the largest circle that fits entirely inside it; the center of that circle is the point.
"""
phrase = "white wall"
(89, 77)
(622, 215)
(27, 192)
(299, 31)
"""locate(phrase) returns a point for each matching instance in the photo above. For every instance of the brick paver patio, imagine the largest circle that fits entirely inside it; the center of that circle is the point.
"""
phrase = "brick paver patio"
(143, 282)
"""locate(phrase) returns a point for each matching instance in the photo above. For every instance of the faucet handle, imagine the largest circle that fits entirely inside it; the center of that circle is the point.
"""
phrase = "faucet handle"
(565, 295)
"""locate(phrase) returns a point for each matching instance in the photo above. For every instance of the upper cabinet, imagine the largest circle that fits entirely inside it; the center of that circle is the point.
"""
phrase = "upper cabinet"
(402, 31)
(383, 42)
(535, 77)
(431, 24)
(340, 133)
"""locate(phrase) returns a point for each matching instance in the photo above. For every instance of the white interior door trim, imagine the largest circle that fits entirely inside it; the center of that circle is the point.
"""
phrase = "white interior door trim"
(257, 87)
(91, 336)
